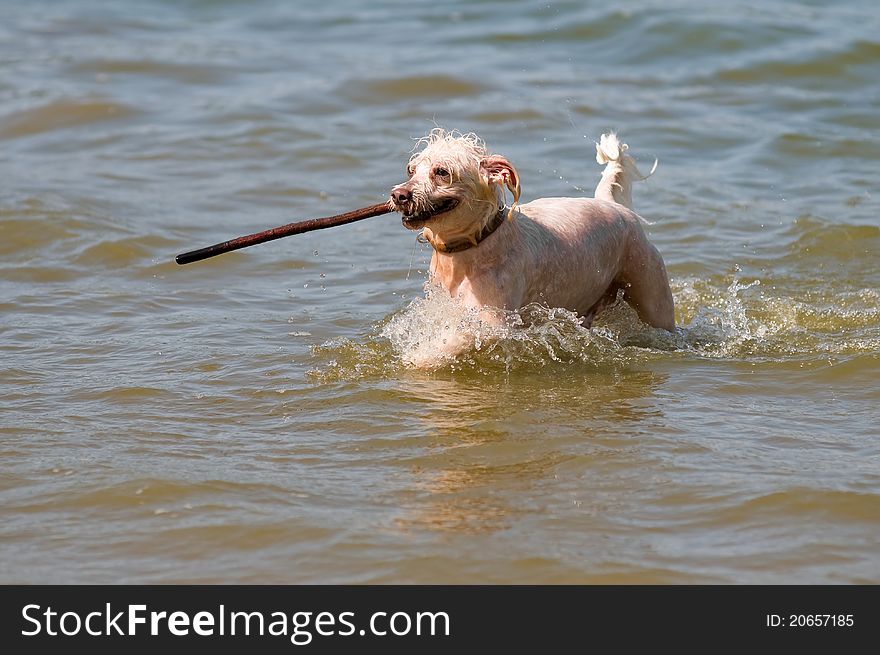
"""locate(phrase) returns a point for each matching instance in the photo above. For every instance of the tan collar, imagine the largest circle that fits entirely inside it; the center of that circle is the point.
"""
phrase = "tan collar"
(464, 244)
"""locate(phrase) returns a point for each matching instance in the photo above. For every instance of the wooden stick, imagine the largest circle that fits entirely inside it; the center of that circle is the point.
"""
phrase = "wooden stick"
(283, 231)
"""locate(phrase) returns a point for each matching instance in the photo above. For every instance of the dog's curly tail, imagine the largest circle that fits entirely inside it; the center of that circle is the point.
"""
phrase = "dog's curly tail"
(620, 171)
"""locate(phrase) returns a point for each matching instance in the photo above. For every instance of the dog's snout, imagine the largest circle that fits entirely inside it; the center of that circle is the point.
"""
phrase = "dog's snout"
(401, 194)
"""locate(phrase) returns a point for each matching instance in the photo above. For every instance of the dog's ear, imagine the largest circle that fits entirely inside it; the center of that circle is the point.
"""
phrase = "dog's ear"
(500, 171)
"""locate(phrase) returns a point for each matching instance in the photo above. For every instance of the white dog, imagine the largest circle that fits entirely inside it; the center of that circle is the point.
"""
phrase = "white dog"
(574, 253)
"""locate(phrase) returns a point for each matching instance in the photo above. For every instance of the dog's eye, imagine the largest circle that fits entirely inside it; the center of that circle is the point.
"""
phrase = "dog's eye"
(441, 172)
(410, 170)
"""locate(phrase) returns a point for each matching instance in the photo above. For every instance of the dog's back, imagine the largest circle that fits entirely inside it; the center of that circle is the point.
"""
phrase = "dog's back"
(581, 250)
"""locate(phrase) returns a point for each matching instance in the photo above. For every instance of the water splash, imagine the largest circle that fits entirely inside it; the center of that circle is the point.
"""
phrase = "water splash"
(534, 336)
(722, 324)
(724, 317)
(754, 321)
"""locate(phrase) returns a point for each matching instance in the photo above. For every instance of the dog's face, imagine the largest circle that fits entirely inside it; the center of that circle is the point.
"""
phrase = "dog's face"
(453, 184)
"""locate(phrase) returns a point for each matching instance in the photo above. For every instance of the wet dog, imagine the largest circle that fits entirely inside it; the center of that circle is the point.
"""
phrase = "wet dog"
(575, 253)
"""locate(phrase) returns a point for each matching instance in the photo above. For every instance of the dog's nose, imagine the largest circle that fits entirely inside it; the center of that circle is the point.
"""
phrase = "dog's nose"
(401, 195)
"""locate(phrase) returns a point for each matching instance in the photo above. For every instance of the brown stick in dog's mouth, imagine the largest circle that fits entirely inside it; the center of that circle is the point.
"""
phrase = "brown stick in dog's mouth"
(284, 231)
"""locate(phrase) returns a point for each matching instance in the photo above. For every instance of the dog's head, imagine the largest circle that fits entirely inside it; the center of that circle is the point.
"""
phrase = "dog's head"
(454, 184)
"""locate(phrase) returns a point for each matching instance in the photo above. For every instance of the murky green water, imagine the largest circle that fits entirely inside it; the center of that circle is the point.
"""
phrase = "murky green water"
(254, 418)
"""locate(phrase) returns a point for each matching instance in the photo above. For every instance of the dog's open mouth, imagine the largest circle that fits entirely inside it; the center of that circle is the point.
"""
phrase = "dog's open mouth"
(415, 221)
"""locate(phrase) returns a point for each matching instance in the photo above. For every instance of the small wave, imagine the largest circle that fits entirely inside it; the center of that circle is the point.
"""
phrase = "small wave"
(427, 86)
(122, 253)
(815, 239)
(827, 64)
(63, 114)
(728, 318)
(187, 73)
